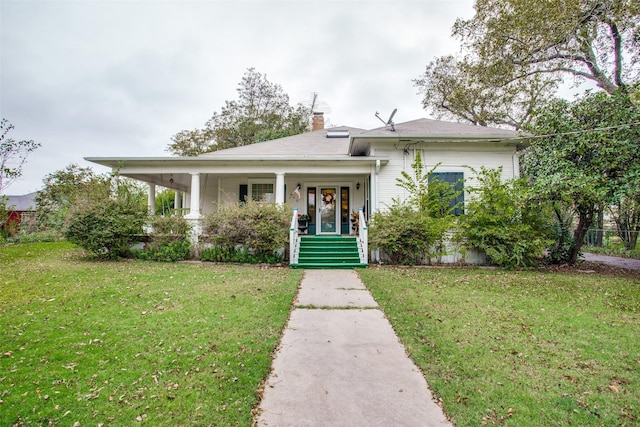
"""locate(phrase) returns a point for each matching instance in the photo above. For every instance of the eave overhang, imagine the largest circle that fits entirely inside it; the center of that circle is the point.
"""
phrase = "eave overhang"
(196, 162)
(360, 144)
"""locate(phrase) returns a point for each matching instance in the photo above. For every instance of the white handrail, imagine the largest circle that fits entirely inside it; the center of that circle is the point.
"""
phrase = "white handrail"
(363, 238)
(294, 238)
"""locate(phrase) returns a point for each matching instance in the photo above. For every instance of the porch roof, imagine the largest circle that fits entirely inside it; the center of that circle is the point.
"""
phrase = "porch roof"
(316, 146)
(195, 164)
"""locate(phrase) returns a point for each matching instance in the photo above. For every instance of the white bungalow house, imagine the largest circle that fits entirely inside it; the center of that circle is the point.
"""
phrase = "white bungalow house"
(325, 173)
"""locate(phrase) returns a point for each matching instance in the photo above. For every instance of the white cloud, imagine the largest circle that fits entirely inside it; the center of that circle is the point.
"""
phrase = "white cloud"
(103, 78)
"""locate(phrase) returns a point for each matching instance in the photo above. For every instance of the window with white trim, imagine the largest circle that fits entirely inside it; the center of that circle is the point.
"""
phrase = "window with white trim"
(263, 191)
(455, 179)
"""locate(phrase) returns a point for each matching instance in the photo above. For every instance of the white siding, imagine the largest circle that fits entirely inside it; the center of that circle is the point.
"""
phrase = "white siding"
(388, 189)
(451, 158)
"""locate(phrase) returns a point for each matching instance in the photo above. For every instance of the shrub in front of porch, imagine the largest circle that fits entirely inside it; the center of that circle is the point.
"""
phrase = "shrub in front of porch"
(169, 241)
(405, 235)
(504, 222)
(412, 231)
(246, 232)
(106, 222)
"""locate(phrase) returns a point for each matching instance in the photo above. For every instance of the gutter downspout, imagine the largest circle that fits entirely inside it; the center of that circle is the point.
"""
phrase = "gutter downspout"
(376, 254)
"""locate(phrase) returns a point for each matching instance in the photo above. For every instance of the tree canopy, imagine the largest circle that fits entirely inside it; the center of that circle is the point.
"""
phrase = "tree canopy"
(58, 192)
(597, 40)
(516, 51)
(13, 155)
(586, 155)
(481, 95)
(261, 112)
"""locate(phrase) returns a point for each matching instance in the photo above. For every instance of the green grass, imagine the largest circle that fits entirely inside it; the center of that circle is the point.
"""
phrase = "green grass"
(134, 342)
(520, 348)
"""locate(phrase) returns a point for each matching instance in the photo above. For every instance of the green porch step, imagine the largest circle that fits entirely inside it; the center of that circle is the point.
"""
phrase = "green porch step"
(328, 252)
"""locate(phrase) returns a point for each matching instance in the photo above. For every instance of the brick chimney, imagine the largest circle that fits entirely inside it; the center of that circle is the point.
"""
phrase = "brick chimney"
(317, 122)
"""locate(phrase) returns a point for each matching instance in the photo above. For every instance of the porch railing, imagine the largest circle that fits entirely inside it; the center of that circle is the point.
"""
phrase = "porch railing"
(363, 238)
(294, 238)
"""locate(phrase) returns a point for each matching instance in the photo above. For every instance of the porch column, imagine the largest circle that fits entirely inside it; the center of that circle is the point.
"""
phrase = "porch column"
(279, 188)
(152, 199)
(194, 211)
(193, 217)
(176, 200)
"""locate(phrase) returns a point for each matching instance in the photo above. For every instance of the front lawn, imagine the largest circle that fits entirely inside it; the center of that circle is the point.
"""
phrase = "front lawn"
(133, 342)
(520, 348)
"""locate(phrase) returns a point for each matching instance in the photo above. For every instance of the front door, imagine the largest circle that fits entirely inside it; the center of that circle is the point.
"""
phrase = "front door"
(327, 211)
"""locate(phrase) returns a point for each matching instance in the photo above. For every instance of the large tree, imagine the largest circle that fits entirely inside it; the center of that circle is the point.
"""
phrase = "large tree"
(481, 94)
(59, 191)
(260, 113)
(13, 155)
(585, 157)
(515, 50)
(597, 40)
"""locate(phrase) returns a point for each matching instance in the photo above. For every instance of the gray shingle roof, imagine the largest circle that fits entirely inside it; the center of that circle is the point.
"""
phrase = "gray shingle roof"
(431, 130)
(316, 143)
(308, 144)
(438, 128)
(23, 203)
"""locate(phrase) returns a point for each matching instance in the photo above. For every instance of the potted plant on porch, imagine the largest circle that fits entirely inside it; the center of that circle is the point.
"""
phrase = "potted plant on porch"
(303, 222)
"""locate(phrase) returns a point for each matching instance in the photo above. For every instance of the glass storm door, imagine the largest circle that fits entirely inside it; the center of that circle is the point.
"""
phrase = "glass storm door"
(327, 211)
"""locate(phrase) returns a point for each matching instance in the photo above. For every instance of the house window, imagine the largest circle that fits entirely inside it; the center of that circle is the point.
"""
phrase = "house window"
(263, 191)
(456, 179)
(311, 204)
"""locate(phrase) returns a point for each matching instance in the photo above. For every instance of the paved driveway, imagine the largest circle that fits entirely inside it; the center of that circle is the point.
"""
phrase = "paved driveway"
(629, 263)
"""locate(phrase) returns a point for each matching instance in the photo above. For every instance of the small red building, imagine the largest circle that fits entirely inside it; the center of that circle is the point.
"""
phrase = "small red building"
(22, 211)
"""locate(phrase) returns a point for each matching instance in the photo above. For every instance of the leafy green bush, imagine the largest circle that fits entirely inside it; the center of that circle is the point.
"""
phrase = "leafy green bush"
(176, 250)
(562, 234)
(407, 236)
(218, 254)
(169, 228)
(503, 222)
(412, 231)
(59, 191)
(5, 232)
(106, 223)
(260, 229)
(169, 240)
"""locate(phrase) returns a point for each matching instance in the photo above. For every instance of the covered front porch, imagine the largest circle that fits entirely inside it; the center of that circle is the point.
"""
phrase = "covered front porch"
(327, 197)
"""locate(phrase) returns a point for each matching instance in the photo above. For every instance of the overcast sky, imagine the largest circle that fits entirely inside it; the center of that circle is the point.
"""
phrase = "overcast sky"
(119, 78)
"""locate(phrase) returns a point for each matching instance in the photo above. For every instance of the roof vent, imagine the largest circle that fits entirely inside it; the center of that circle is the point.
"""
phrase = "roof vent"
(337, 133)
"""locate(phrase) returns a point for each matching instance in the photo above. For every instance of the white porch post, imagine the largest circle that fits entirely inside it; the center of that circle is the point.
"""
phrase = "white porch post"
(152, 199)
(176, 200)
(194, 192)
(193, 217)
(280, 188)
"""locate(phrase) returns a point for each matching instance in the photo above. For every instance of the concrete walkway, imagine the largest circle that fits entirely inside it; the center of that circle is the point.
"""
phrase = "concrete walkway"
(341, 364)
(628, 263)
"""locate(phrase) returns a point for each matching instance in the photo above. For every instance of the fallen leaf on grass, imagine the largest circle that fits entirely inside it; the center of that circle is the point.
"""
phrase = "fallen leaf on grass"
(614, 388)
